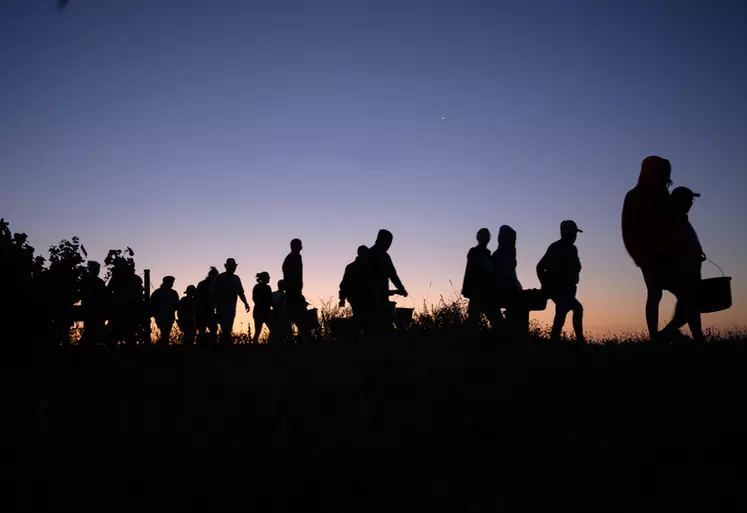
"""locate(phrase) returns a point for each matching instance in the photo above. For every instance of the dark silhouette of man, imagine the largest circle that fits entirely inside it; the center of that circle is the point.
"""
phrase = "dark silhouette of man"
(507, 286)
(226, 289)
(382, 271)
(127, 304)
(479, 278)
(647, 225)
(94, 303)
(186, 315)
(280, 315)
(688, 259)
(293, 279)
(205, 316)
(357, 288)
(559, 272)
(262, 297)
(163, 306)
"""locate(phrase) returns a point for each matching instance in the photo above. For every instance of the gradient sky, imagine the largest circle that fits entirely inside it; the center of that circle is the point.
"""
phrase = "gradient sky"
(196, 130)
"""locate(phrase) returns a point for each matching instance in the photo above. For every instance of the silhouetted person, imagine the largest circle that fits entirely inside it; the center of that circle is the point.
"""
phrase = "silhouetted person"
(382, 270)
(94, 303)
(186, 315)
(688, 258)
(559, 272)
(647, 226)
(508, 288)
(127, 303)
(479, 279)
(205, 317)
(293, 278)
(163, 306)
(357, 287)
(262, 297)
(280, 315)
(226, 289)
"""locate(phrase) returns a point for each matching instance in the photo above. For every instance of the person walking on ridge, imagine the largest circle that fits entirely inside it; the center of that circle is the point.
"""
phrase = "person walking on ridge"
(507, 286)
(356, 287)
(382, 270)
(689, 257)
(224, 292)
(163, 306)
(559, 272)
(205, 317)
(647, 227)
(94, 303)
(478, 284)
(293, 279)
(262, 297)
(186, 315)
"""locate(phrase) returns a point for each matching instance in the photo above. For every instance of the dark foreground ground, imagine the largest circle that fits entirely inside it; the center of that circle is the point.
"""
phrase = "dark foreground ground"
(429, 425)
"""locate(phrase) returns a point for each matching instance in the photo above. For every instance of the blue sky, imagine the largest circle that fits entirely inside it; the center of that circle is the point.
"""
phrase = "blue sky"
(194, 131)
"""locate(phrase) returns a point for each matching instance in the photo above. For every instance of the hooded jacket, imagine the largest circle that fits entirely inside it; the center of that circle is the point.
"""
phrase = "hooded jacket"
(647, 218)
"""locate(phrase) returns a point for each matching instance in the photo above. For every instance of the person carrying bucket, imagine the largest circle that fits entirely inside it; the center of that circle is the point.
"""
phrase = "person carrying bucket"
(688, 259)
(382, 270)
(559, 272)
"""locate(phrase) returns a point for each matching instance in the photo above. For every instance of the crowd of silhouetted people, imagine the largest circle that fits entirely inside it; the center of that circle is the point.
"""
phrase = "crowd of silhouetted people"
(655, 228)
(206, 312)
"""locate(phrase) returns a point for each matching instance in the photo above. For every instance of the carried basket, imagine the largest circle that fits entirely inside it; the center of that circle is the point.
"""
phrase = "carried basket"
(714, 294)
(534, 300)
(312, 319)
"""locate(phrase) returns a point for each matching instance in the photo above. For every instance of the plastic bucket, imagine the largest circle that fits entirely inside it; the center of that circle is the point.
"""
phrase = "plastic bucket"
(534, 300)
(714, 294)
(312, 319)
(403, 317)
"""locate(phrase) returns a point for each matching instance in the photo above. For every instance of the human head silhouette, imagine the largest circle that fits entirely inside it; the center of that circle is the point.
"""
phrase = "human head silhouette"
(656, 172)
(94, 268)
(569, 231)
(213, 272)
(682, 199)
(296, 245)
(384, 239)
(362, 251)
(191, 291)
(506, 237)
(263, 277)
(168, 282)
(231, 265)
(281, 285)
(483, 237)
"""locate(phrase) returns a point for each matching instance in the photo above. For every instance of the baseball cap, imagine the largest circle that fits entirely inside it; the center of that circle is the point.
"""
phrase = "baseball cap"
(569, 226)
(685, 192)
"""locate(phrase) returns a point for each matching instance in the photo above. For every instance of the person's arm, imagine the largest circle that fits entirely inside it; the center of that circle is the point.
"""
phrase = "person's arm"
(395, 278)
(542, 268)
(343, 294)
(241, 294)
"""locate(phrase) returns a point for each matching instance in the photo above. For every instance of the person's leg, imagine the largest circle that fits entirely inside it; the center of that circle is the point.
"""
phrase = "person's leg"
(165, 328)
(578, 320)
(654, 293)
(562, 307)
(257, 326)
(690, 305)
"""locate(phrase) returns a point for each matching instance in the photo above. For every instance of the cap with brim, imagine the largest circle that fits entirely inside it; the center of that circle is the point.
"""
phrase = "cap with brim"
(685, 191)
(570, 226)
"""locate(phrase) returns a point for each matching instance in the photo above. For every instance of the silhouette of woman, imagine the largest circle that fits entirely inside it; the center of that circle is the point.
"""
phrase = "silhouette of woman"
(262, 297)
